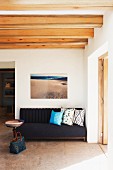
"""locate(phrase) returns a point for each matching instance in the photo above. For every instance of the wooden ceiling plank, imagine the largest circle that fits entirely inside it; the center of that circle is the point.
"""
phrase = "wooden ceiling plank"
(20, 7)
(32, 26)
(77, 32)
(40, 46)
(48, 43)
(38, 40)
(50, 19)
(47, 36)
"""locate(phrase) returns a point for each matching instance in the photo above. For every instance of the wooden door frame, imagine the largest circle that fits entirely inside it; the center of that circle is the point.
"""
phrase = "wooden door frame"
(105, 119)
(101, 107)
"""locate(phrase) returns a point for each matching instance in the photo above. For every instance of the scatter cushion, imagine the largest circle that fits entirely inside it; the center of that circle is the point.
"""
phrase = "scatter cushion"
(68, 116)
(63, 109)
(56, 117)
(79, 117)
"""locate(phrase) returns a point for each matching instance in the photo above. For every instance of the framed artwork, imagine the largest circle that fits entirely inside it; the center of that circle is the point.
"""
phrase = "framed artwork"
(48, 86)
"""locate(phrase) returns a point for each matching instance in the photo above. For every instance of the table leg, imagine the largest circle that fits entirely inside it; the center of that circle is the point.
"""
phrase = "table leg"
(14, 132)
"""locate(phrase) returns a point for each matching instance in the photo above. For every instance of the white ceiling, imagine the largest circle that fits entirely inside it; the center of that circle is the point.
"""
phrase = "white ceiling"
(73, 2)
(55, 12)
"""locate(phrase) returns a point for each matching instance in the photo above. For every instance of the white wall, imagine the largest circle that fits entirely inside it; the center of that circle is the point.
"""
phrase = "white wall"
(7, 65)
(102, 42)
(96, 47)
(92, 116)
(47, 61)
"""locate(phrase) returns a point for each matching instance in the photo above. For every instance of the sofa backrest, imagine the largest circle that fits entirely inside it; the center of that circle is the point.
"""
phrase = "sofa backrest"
(36, 115)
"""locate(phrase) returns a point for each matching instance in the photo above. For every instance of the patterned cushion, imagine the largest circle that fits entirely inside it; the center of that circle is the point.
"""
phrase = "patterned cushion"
(68, 116)
(79, 117)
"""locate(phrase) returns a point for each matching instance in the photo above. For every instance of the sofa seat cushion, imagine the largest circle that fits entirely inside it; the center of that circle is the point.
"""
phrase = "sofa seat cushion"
(45, 130)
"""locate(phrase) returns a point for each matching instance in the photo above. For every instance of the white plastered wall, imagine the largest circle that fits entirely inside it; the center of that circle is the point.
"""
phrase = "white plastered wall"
(102, 42)
(92, 93)
(7, 65)
(46, 61)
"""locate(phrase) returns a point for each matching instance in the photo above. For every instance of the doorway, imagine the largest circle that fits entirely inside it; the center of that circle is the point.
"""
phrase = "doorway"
(103, 98)
(7, 91)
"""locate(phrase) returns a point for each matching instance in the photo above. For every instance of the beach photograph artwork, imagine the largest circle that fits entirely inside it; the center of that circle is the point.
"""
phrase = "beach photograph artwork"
(45, 86)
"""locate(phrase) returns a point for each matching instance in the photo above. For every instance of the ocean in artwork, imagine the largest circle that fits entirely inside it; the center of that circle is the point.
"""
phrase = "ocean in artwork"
(48, 86)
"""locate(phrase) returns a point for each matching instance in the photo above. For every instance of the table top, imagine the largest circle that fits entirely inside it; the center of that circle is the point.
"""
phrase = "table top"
(14, 123)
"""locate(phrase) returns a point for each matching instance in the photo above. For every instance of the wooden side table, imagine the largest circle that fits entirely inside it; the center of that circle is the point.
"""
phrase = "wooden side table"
(14, 124)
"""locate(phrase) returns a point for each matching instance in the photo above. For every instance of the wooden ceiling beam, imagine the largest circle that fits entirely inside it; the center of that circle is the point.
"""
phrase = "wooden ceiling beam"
(50, 26)
(37, 20)
(41, 45)
(31, 7)
(47, 31)
(76, 32)
(40, 40)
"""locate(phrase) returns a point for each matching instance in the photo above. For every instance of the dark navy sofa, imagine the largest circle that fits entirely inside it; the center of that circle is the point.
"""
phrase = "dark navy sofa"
(36, 126)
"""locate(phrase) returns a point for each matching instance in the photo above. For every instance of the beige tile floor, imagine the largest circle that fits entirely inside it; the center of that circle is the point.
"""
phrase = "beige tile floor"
(50, 155)
(104, 149)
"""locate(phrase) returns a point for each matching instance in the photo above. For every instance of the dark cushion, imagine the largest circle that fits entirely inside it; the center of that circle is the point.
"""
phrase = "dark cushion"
(45, 130)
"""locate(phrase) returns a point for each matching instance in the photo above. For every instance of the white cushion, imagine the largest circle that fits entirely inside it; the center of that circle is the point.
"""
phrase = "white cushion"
(68, 116)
